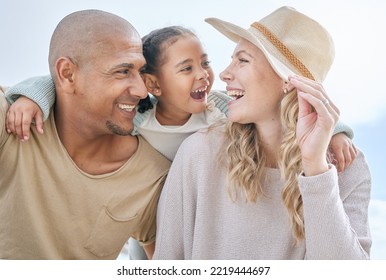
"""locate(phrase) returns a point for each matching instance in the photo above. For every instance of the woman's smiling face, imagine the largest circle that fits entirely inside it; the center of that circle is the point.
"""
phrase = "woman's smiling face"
(253, 83)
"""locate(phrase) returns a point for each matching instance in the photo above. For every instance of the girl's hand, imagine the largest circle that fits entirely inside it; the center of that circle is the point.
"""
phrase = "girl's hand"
(343, 150)
(20, 116)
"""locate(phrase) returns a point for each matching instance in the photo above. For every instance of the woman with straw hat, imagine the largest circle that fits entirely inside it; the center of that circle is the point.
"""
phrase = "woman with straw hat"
(261, 185)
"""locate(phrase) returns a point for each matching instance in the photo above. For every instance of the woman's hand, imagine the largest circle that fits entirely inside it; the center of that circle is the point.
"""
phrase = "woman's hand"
(317, 118)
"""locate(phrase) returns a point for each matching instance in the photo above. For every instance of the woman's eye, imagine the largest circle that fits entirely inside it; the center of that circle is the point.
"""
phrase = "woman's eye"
(243, 60)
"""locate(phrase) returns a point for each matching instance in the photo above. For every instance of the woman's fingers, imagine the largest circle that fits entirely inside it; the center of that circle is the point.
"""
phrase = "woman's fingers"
(314, 88)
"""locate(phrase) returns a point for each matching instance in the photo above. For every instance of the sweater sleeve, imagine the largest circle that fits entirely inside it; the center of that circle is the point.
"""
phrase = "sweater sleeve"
(343, 127)
(39, 89)
(220, 99)
(336, 212)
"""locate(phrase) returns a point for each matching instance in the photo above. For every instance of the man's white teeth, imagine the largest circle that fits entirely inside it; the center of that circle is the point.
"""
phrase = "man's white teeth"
(201, 89)
(235, 93)
(126, 107)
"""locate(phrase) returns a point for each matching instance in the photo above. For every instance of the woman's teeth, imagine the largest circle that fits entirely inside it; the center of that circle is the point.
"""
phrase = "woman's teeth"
(235, 93)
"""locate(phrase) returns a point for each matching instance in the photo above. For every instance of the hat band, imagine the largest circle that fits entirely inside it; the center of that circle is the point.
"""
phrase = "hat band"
(283, 49)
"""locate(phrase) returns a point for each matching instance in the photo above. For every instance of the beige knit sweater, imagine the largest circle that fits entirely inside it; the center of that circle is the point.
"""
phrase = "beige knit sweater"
(196, 219)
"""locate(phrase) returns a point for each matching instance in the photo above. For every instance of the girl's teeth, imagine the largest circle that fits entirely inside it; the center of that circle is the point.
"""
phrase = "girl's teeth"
(200, 89)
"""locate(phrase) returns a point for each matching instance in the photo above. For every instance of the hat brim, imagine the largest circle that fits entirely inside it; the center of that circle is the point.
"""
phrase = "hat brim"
(235, 33)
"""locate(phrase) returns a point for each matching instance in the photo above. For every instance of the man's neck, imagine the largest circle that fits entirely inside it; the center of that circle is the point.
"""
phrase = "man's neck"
(95, 154)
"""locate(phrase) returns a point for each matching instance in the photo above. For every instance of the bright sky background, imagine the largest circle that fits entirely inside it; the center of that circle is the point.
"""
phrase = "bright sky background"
(355, 82)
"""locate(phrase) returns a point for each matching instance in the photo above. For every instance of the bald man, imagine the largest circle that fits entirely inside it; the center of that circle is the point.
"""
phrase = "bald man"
(81, 189)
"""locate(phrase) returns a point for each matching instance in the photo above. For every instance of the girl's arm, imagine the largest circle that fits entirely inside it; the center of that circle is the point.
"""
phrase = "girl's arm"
(40, 89)
(38, 97)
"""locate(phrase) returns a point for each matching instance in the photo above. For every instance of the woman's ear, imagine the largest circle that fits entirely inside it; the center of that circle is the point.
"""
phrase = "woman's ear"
(65, 73)
(151, 84)
(287, 88)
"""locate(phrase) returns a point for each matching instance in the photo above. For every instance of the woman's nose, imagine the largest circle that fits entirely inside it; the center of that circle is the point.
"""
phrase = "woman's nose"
(225, 75)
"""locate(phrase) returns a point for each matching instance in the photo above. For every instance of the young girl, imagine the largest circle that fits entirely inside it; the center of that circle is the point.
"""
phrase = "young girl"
(179, 77)
(261, 187)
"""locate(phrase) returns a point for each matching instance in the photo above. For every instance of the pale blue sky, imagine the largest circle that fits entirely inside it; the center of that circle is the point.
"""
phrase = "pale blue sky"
(355, 82)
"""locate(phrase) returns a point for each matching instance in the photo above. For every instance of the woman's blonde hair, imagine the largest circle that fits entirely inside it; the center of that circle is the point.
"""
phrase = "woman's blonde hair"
(246, 162)
(290, 164)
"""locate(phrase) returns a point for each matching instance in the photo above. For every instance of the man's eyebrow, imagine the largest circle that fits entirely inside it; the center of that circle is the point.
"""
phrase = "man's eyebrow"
(124, 65)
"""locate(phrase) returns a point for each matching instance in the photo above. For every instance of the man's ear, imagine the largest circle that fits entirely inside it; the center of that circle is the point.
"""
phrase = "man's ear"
(151, 84)
(65, 73)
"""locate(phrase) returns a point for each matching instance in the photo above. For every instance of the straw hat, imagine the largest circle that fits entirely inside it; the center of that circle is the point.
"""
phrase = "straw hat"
(291, 41)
